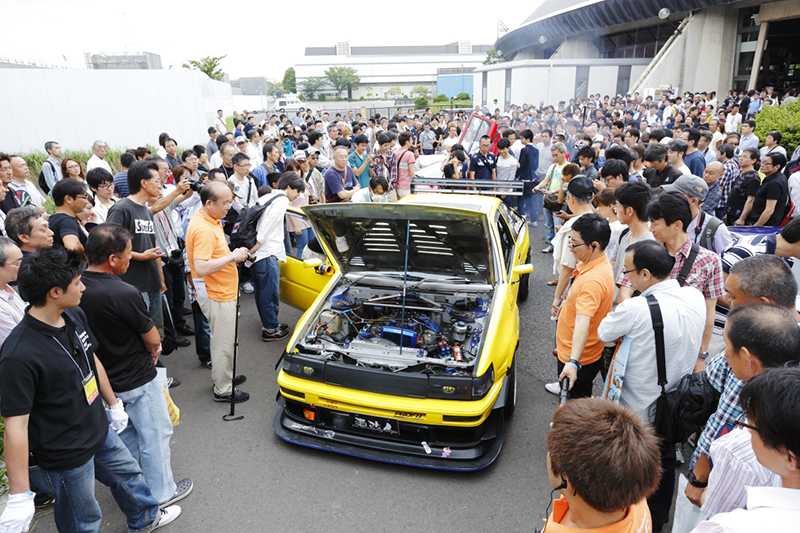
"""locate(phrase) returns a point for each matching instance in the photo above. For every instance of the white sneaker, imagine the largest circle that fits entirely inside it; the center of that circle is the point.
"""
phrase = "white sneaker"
(341, 244)
(248, 288)
(553, 388)
(535, 224)
(168, 516)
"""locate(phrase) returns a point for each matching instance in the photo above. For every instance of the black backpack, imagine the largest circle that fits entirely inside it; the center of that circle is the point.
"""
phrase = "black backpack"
(42, 181)
(245, 229)
(687, 407)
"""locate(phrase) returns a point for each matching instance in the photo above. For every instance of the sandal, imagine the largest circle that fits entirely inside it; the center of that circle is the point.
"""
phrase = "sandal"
(552, 283)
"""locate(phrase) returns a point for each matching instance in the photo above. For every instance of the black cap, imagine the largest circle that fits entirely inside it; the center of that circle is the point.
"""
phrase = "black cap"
(581, 187)
(212, 129)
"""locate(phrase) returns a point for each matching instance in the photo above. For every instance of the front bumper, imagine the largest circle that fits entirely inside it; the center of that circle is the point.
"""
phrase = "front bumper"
(419, 444)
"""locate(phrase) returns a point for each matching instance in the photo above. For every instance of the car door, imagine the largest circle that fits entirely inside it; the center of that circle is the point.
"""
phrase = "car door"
(300, 285)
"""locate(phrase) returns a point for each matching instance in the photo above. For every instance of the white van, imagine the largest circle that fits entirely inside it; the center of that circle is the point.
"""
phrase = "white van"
(288, 103)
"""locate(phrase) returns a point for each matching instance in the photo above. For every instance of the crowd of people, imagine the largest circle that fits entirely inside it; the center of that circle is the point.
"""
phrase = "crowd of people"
(636, 196)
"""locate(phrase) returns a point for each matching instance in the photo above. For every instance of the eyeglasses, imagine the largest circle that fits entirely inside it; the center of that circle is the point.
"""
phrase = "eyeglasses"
(82, 196)
(626, 272)
(741, 422)
(106, 186)
(573, 244)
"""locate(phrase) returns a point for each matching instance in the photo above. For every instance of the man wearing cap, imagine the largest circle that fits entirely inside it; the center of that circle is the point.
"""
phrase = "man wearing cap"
(705, 230)
(241, 145)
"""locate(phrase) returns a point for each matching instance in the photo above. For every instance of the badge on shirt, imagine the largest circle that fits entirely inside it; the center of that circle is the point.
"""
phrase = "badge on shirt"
(90, 388)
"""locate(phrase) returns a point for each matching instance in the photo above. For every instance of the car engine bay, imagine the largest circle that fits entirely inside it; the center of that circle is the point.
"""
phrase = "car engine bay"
(433, 332)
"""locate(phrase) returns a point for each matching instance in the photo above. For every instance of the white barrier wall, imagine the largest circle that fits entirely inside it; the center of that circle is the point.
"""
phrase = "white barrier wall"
(125, 108)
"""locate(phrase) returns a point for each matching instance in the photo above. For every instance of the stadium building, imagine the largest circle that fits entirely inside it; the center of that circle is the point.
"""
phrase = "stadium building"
(574, 48)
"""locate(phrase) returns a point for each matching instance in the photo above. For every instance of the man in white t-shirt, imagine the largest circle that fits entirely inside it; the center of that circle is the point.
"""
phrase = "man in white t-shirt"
(99, 150)
(222, 128)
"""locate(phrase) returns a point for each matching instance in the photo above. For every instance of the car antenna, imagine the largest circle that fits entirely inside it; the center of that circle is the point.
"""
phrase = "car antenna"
(405, 278)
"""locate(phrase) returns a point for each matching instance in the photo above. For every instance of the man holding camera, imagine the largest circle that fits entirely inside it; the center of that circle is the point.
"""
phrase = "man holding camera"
(216, 281)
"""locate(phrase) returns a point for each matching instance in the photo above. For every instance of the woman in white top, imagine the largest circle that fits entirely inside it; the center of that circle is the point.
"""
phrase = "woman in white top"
(101, 183)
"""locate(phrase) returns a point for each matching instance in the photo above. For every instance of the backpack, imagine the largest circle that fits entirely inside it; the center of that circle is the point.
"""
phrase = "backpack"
(687, 407)
(245, 229)
(42, 181)
(707, 240)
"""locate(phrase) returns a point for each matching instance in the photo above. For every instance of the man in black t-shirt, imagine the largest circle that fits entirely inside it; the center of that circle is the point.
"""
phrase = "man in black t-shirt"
(132, 213)
(52, 383)
(70, 198)
(129, 347)
(772, 197)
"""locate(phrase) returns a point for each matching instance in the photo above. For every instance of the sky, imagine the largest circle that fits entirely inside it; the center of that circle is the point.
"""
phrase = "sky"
(261, 38)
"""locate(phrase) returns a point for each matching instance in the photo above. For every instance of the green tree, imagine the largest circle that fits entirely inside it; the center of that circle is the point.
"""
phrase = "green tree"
(368, 88)
(784, 118)
(493, 58)
(289, 81)
(309, 87)
(441, 98)
(421, 102)
(209, 65)
(420, 91)
(274, 88)
(394, 92)
(342, 79)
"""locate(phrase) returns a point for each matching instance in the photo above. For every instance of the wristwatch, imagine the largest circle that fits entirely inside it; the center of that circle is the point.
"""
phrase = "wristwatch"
(574, 362)
(703, 355)
(695, 483)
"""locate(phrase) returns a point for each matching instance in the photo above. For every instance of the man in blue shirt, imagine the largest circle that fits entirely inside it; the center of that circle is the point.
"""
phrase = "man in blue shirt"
(694, 158)
(483, 165)
(531, 205)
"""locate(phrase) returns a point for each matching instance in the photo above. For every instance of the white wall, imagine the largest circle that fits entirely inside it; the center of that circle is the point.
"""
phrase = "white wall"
(603, 80)
(125, 108)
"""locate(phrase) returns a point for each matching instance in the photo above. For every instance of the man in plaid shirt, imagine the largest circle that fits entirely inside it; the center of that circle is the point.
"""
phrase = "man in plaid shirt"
(730, 171)
(758, 278)
(385, 163)
(669, 215)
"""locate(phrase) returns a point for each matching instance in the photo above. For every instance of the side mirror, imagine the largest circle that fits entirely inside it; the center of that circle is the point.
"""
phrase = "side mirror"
(312, 263)
(522, 269)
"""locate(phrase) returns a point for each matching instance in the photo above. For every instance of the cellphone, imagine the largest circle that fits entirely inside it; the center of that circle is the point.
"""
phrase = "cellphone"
(159, 252)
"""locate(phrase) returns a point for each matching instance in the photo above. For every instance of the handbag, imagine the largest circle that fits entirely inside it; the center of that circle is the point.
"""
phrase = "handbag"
(172, 409)
(685, 409)
(551, 202)
(169, 343)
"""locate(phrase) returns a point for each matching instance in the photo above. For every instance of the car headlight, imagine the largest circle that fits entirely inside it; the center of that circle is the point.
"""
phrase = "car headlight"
(303, 367)
(482, 384)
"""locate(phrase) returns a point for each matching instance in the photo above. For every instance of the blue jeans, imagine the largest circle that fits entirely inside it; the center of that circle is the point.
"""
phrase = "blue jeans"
(530, 203)
(550, 225)
(147, 436)
(266, 280)
(155, 308)
(76, 509)
(202, 334)
(301, 241)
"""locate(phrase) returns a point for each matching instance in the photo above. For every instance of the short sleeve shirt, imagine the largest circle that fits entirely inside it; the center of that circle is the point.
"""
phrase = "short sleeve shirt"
(774, 187)
(405, 160)
(482, 165)
(591, 294)
(337, 181)
(205, 239)
(63, 225)
(139, 221)
(117, 313)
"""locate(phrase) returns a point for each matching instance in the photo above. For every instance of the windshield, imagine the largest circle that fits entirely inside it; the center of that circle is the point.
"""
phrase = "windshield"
(372, 237)
(476, 129)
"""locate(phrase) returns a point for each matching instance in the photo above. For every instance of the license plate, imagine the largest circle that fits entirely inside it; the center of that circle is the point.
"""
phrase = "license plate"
(375, 424)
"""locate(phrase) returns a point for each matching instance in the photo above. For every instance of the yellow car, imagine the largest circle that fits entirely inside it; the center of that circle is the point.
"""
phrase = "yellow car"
(406, 353)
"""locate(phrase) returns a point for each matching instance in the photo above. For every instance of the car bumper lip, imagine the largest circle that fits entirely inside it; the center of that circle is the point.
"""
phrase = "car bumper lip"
(472, 457)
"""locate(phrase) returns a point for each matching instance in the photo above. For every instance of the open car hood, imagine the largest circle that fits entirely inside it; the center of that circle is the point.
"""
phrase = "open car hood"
(365, 237)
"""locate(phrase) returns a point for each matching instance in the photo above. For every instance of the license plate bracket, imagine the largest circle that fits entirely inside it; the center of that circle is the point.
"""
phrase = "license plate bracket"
(375, 424)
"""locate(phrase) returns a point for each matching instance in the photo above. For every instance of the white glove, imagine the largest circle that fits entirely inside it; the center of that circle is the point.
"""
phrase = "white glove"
(117, 417)
(18, 513)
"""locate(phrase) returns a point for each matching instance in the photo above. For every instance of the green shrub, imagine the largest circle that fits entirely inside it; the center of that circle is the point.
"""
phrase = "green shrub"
(462, 96)
(321, 98)
(421, 102)
(35, 160)
(783, 118)
(441, 98)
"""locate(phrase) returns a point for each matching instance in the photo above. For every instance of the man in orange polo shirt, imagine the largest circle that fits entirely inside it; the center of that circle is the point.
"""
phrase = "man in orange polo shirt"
(216, 281)
(587, 304)
(603, 459)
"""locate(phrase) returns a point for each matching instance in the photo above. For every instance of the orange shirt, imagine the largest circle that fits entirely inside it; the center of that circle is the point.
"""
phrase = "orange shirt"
(637, 520)
(206, 240)
(592, 294)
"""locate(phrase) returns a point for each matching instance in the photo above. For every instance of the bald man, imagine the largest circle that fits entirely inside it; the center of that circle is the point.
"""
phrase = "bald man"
(712, 174)
(98, 159)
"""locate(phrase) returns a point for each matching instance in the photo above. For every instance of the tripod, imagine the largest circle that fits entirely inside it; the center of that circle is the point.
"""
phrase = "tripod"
(229, 417)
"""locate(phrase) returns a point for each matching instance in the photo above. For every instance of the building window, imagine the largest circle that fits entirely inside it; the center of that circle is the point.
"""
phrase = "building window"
(508, 89)
(485, 88)
(582, 82)
(639, 43)
(623, 79)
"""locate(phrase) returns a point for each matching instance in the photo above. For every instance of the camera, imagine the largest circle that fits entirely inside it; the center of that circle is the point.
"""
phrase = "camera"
(195, 185)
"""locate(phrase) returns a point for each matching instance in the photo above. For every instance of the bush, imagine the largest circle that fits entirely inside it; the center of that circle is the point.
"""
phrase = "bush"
(421, 102)
(783, 118)
(441, 98)
(462, 96)
(321, 98)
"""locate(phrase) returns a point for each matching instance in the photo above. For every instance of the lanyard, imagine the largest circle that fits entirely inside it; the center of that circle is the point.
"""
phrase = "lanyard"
(699, 228)
(86, 357)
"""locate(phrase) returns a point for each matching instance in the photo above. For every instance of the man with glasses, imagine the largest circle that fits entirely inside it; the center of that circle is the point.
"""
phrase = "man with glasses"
(648, 266)
(213, 268)
(70, 198)
(772, 199)
(587, 303)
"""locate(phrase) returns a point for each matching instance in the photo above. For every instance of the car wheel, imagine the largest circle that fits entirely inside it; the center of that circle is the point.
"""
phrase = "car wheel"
(511, 389)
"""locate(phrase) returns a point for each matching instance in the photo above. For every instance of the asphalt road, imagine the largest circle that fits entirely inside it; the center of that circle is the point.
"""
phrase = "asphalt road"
(247, 479)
